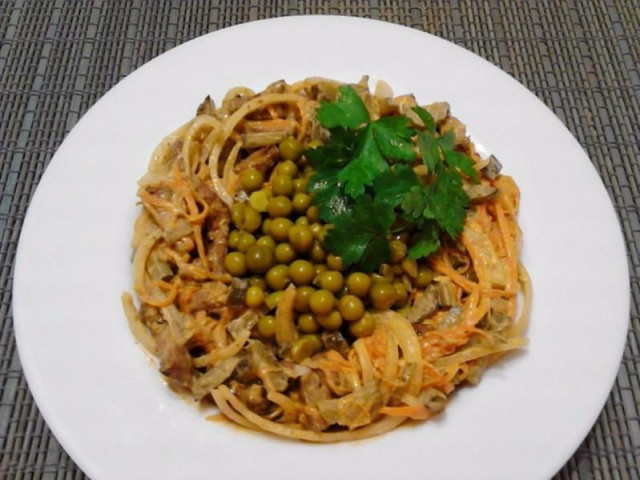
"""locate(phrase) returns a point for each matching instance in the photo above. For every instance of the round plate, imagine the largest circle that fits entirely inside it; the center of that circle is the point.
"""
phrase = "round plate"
(104, 400)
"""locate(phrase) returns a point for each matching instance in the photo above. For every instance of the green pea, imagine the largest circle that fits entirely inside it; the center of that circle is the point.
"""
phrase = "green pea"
(363, 327)
(318, 270)
(233, 239)
(277, 277)
(235, 263)
(259, 258)
(267, 326)
(279, 206)
(303, 296)
(279, 229)
(424, 277)
(237, 214)
(258, 281)
(301, 272)
(287, 168)
(332, 281)
(266, 226)
(307, 323)
(266, 241)
(301, 238)
(272, 300)
(251, 180)
(245, 241)
(259, 200)
(322, 302)
(402, 295)
(252, 219)
(317, 341)
(301, 202)
(254, 297)
(300, 185)
(402, 236)
(304, 347)
(290, 148)
(386, 271)
(330, 321)
(351, 308)
(313, 214)
(334, 262)
(285, 253)
(383, 295)
(398, 250)
(317, 253)
(317, 231)
(410, 266)
(359, 283)
(282, 185)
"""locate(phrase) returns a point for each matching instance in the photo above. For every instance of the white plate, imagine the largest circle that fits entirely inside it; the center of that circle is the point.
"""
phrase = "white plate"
(109, 408)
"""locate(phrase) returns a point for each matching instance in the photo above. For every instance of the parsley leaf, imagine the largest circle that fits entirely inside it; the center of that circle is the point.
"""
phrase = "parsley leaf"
(433, 150)
(446, 140)
(328, 160)
(336, 153)
(347, 111)
(446, 201)
(360, 236)
(429, 149)
(328, 195)
(427, 119)
(413, 203)
(364, 167)
(343, 242)
(391, 189)
(460, 161)
(377, 252)
(426, 242)
(393, 136)
(364, 182)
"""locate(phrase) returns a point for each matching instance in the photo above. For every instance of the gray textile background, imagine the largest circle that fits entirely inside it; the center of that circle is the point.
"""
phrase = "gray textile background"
(58, 57)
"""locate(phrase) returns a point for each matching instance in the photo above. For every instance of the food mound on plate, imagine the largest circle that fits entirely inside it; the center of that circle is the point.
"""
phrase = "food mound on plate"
(325, 262)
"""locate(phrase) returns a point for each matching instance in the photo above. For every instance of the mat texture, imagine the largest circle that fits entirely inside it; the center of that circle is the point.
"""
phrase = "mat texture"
(58, 57)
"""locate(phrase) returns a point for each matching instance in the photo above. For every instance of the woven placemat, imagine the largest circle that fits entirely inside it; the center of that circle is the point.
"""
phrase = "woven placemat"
(58, 57)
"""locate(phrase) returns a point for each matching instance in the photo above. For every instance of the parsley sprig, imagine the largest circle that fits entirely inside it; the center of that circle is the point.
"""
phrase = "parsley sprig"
(366, 187)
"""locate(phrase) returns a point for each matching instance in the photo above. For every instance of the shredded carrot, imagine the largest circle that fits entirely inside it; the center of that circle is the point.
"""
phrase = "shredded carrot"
(446, 269)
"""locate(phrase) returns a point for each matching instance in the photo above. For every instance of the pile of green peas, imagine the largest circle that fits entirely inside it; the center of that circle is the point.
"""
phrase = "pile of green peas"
(277, 239)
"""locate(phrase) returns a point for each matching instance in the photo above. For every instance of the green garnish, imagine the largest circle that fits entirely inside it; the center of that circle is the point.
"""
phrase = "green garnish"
(360, 235)
(365, 185)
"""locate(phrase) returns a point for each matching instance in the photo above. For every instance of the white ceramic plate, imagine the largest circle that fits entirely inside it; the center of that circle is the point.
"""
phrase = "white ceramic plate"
(109, 408)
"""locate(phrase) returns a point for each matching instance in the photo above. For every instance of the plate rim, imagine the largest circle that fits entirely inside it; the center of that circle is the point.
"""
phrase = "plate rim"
(59, 430)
